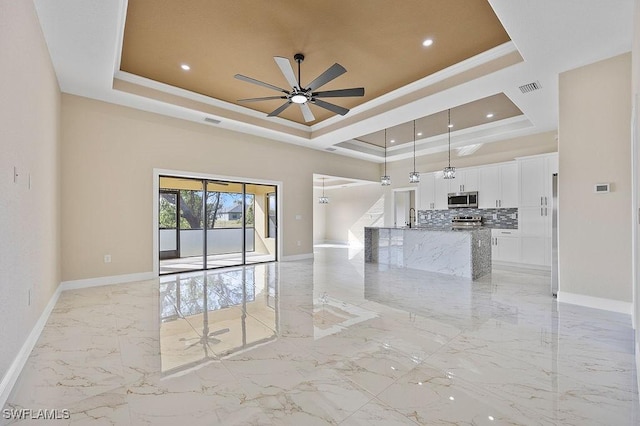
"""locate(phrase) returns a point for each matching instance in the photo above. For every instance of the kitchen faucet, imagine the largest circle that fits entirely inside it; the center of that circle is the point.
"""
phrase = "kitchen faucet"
(412, 218)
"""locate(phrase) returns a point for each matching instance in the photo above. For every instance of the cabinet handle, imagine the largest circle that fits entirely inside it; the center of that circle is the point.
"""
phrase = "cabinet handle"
(505, 232)
(496, 203)
(541, 201)
(541, 211)
(499, 203)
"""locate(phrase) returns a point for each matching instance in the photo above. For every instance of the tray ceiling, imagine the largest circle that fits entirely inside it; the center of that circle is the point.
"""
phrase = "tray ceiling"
(129, 52)
(378, 42)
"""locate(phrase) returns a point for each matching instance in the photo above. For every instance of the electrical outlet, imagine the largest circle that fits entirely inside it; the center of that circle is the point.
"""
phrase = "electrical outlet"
(107, 258)
(299, 243)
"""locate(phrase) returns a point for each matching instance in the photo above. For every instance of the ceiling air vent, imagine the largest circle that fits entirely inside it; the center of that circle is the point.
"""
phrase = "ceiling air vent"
(211, 120)
(330, 149)
(531, 87)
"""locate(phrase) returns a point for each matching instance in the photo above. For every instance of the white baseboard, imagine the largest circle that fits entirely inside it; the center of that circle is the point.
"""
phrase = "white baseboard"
(338, 242)
(596, 302)
(296, 257)
(11, 375)
(114, 279)
(524, 267)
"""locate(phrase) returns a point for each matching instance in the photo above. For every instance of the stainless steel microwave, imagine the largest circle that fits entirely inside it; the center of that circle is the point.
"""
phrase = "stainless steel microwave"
(463, 199)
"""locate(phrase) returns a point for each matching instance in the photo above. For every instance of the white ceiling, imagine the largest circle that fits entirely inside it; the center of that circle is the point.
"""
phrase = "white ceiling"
(85, 37)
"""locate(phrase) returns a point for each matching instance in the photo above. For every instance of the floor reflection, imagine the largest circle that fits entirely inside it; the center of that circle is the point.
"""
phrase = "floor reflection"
(208, 315)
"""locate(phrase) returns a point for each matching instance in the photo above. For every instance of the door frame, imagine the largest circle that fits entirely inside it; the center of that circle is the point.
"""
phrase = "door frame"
(415, 201)
(193, 175)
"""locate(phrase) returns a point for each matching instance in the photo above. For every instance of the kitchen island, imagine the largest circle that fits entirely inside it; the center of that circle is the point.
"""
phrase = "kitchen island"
(459, 252)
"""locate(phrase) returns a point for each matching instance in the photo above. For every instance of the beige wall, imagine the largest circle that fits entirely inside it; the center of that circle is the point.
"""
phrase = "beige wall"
(349, 210)
(108, 156)
(29, 140)
(594, 135)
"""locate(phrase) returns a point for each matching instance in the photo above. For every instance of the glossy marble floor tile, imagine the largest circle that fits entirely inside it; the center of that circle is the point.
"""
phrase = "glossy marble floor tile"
(330, 341)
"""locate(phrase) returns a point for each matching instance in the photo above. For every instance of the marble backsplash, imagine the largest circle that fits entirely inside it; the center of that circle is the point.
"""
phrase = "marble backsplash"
(492, 218)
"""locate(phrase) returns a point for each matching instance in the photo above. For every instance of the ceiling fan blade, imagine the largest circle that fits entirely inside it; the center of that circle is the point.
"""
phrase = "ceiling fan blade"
(267, 98)
(306, 112)
(335, 70)
(356, 91)
(259, 83)
(331, 107)
(280, 109)
(287, 70)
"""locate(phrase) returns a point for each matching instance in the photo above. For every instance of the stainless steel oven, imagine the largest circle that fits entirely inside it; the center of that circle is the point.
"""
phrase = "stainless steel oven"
(463, 199)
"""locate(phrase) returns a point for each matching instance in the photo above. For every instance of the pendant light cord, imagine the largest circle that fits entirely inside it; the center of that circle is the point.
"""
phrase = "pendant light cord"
(414, 145)
(385, 152)
(449, 127)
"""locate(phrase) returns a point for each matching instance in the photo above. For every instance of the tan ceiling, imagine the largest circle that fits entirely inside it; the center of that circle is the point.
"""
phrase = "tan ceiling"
(464, 116)
(379, 43)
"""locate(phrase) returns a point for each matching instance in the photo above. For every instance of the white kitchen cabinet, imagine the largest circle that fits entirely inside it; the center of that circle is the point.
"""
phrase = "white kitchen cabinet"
(441, 189)
(505, 245)
(535, 209)
(498, 186)
(427, 191)
(534, 250)
(533, 221)
(489, 192)
(466, 180)
(535, 180)
(509, 184)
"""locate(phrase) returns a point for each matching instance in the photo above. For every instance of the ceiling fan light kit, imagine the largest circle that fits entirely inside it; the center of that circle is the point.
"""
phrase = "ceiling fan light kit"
(303, 96)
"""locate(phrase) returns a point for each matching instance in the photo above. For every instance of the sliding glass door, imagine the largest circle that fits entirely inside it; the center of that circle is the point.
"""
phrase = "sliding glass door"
(206, 224)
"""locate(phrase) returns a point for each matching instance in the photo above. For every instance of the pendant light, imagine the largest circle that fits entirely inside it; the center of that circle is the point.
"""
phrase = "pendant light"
(414, 177)
(323, 199)
(449, 172)
(386, 179)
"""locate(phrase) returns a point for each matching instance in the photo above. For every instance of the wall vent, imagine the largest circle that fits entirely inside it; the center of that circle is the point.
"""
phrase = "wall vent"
(211, 120)
(330, 149)
(531, 87)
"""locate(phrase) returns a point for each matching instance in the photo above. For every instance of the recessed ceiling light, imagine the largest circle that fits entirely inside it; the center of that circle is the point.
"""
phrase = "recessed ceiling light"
(450, 126)
(428, 42)
(419, 133)
(185, 67)
(392, 140)
(490, 115)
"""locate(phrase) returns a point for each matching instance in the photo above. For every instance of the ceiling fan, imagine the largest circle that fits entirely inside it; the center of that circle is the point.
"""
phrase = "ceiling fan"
(303, 96)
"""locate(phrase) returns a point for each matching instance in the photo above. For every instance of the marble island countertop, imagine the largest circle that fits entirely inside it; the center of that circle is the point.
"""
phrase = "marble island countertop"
(463, 252)
(433, 228)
